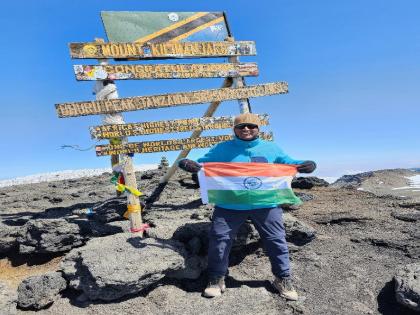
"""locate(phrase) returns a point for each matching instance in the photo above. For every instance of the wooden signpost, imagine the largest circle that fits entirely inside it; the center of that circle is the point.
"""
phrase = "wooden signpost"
(168, 100)
(165, 50)
(164, 71)
(166, 145)
(165, 126)
(157, 36)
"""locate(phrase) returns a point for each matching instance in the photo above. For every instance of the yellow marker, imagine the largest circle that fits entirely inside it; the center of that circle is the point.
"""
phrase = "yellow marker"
(131, 209)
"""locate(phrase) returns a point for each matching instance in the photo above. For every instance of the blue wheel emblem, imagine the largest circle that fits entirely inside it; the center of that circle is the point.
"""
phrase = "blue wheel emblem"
(252, 183)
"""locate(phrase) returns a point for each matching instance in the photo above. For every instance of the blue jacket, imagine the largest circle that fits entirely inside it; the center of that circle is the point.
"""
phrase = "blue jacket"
(237, 150)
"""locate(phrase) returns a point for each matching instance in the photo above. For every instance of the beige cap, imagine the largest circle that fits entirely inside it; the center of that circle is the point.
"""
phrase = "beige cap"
(247, 118)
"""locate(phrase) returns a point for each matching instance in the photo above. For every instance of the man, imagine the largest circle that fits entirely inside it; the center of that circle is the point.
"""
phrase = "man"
(227, 218)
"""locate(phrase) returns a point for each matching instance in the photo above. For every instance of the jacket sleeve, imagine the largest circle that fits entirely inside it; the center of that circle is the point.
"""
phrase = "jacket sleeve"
(213, 155)
(283, 158)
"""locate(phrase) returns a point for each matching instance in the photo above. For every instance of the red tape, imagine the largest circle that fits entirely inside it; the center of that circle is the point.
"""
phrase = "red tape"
(142, 229)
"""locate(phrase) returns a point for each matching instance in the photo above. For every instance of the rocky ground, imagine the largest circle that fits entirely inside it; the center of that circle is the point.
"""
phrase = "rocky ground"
(66, 250)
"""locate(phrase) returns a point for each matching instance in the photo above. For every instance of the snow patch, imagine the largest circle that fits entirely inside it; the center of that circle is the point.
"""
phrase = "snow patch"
(413, 183)
(67, 174)
(329, 179)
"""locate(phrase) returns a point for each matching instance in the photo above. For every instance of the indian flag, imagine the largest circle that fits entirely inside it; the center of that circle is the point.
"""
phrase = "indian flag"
(256, 184)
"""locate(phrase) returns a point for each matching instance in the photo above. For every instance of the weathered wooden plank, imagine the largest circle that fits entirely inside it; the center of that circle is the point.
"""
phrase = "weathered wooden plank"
(165, 126)
(165, 50)
(164, 71)
(168, 100)
(166, 145)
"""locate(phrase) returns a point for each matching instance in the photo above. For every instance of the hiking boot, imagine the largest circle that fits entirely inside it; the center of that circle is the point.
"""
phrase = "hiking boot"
(215, 287)
(285, 288)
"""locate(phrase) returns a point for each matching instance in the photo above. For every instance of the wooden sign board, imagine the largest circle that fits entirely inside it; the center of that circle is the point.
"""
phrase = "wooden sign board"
(164, 71)
(166, 145)
(162, 50)
(157, 27)
(168, 100)
(166, 126)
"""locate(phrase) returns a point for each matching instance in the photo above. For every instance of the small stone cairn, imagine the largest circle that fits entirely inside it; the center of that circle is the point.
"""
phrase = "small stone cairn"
(163, 163)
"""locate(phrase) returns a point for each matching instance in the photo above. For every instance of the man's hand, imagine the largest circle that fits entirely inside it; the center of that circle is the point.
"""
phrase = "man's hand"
(306, 167)
(189, 165)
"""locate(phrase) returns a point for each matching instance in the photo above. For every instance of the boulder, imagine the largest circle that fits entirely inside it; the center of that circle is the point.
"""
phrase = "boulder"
(407, 286)
(193, 234)
(38, 292)
(297, 232)
(408, 215)
(8, 237)
(194, 231)
(304, 197)
(51, 236)
(8, 298)
(308, 182)
(410, 204)
(110, 210)
(194, 266)
(111, 267)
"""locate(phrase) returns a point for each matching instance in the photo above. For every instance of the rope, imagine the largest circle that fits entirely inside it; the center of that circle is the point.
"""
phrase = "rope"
(142, 229)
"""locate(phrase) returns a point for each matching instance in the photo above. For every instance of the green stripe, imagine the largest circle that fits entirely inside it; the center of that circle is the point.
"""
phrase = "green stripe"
(253, 197)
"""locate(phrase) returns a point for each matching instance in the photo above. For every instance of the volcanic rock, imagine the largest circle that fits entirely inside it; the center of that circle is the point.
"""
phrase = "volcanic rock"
(38, 292)
(297, 231)
(407, 286)
(110, 210)
(194, 231)
(194, 266)
(351, 181)
(308, 182)
(409, 215)
(304, 197)
(410, 204)
(8, 237)
(51, 236)
(114, 266)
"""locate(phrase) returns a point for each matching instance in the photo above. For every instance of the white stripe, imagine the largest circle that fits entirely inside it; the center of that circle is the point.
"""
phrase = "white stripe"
(203, 186)
(246, 182)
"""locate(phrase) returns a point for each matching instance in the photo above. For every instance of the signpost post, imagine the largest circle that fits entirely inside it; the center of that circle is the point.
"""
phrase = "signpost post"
(106, 90)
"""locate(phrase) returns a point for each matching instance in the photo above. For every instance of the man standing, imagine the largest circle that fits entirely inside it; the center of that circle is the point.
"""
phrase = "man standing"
(227, 218)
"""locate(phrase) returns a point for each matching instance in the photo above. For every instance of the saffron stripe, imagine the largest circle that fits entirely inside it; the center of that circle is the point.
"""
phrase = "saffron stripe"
(249, 169)
(253, 197)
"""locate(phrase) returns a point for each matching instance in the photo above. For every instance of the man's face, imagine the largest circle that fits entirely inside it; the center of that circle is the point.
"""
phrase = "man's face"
(246, 131)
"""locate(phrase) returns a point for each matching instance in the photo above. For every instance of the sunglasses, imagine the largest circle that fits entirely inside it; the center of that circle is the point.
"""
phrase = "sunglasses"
(250, 126)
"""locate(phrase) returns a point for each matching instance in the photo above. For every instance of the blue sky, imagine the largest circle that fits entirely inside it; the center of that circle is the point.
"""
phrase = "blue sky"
(352, 69)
